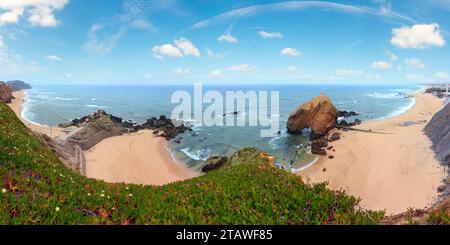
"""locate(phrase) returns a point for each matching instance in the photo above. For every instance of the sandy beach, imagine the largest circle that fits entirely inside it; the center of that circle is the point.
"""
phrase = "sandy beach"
(392, 171)
(17, 106)
(139, 158)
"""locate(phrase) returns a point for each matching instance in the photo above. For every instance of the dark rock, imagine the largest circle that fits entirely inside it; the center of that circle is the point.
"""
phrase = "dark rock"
(330, 157)
(346, 114)
(318, 150)
(329, 148)
(334, 136)
(324, 169)
(214, 162)
(441, 188)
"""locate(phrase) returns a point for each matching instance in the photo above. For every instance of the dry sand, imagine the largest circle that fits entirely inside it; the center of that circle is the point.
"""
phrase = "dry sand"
(388, 171)
(17, 105)
(139, 158)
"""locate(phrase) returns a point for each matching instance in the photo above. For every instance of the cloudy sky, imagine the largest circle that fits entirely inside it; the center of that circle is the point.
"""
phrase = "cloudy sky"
(218, 41)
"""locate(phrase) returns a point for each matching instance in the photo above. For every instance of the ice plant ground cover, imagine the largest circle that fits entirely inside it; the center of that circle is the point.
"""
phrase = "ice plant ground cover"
(38, 189)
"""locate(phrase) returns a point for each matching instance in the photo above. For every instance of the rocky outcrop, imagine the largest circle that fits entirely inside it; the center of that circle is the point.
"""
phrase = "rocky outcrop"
(319, 114)
(5, 93)
(18, 85)
(214, 163)
(438, 130)
(251, 155)
(98, 126)
(244, 156)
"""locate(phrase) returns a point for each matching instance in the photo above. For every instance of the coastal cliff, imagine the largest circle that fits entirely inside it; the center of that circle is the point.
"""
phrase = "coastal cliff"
(5, 92)
(438, 130)
(17, 85)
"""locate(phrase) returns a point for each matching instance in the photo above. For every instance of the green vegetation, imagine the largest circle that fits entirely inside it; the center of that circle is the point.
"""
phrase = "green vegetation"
(36, 188)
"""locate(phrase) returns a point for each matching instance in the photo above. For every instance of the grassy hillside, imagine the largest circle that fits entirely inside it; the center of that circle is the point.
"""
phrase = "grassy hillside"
(37, 189)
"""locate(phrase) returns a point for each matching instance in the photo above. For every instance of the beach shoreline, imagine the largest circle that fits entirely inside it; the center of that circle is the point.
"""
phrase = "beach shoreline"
(393, 171)
(137, 158)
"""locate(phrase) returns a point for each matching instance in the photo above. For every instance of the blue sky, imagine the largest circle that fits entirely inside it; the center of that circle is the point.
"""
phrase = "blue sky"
(218, 41)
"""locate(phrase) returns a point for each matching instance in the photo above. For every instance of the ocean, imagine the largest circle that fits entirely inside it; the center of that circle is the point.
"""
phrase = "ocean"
(54, 104)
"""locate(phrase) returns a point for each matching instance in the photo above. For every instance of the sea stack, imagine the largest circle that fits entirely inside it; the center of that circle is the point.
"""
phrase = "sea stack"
(319, 114)
(5, 93)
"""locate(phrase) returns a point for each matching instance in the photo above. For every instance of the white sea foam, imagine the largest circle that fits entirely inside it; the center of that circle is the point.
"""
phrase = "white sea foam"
(385, 95)
(65, 99)
(197, 155)
(97, 106)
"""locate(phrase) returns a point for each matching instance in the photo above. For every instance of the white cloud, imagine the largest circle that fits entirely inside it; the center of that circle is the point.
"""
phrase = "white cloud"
(2, 44)
(227, 38)
(290, 52)
(287, 6)
(216, 73)
(183, 47)
(211, 54)
(166, 50)
(293, 69)
(414, 63)
(242, 68)
(187, 47)
(104, 44)
(381, 65)
(69, 75)
(142, 24)
(349, 73)
(265, 34)
(40, 12)
(53, 58)
(11, 16)
(181, 71)
(418, 36)
(442, 75)
(393, 57)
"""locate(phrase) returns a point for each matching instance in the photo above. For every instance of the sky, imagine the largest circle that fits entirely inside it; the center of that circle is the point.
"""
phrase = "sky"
(224, 41)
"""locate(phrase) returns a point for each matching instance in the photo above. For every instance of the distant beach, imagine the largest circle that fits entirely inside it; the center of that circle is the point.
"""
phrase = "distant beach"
(392, 171)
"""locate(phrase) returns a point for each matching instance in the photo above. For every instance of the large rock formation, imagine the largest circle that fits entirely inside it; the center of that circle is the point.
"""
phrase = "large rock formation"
(5, 93)
(319, 114)
(98, 126)
(18, 85)
(438, 130)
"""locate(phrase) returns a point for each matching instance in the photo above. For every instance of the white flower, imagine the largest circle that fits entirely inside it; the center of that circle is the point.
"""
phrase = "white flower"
(3, 190)
(130, 195)
(57, 209)
(127, 188)
(102, 195)
(103, 191)
(89, 194)
(108, 197)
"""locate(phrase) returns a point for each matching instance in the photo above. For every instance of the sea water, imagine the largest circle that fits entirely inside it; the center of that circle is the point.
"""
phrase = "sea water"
(52, 104)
